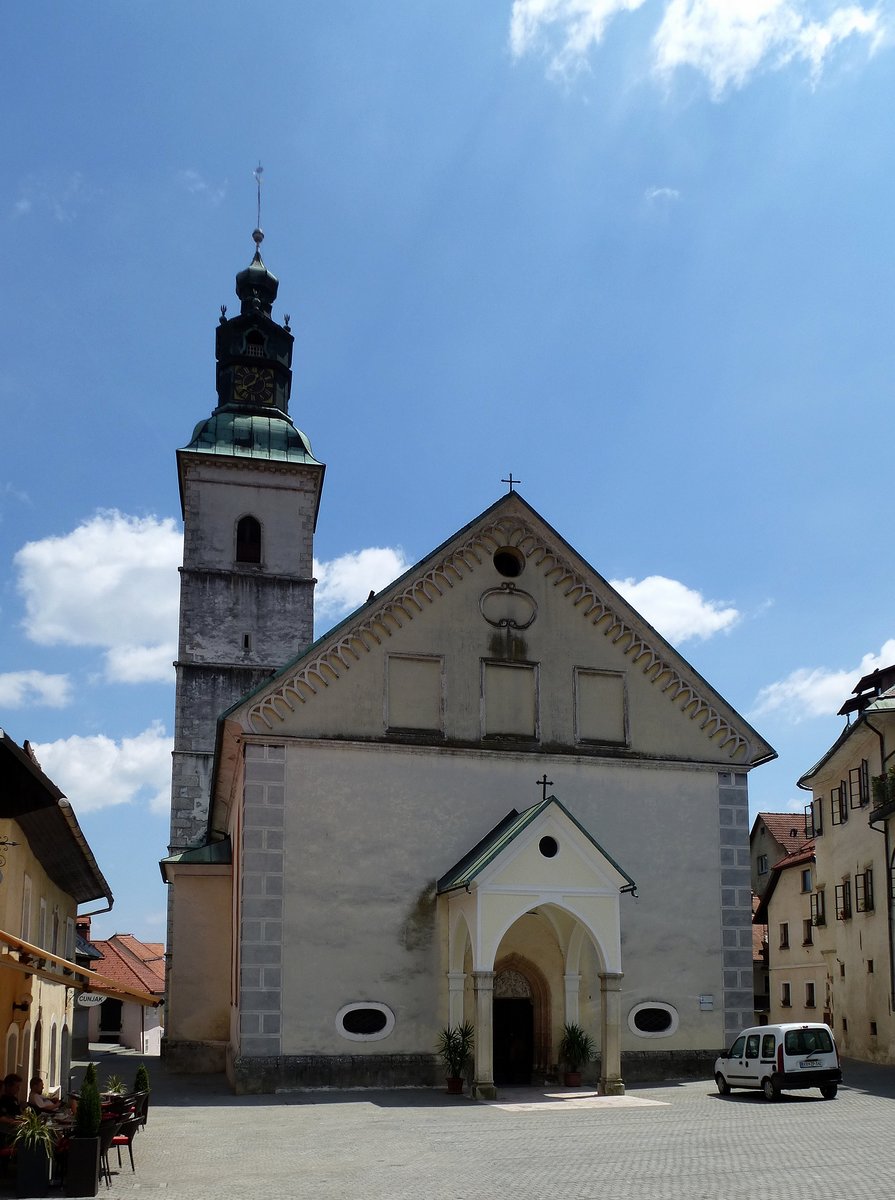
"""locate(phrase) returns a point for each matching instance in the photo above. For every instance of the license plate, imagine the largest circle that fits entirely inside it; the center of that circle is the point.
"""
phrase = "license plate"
(810, 1062)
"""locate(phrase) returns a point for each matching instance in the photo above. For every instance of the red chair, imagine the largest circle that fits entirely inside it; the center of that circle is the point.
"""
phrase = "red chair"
(125, 1137)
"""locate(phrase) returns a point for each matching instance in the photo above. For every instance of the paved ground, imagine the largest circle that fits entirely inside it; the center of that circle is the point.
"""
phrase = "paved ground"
(661, 1142)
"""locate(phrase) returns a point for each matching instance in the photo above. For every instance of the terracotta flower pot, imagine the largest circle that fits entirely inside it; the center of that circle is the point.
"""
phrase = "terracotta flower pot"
(455, 1085)
(572, 1079)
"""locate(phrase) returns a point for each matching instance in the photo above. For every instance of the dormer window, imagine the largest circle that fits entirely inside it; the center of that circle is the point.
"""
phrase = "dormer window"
(255, 344)
(248, 540)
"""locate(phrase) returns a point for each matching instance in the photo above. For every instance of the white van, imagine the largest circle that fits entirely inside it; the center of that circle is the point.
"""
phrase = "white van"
(781, 1057)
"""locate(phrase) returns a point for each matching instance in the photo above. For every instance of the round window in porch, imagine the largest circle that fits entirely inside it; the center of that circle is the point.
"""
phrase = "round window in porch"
(548, 846)
(653, 1019)
(365, 1021)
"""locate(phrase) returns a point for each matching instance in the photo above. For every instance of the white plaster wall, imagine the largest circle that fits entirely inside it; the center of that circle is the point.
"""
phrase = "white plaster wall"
(560, 640)
(281, 496)
(369, 828)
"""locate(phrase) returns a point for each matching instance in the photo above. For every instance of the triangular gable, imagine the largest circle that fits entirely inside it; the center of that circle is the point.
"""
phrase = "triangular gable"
(510, 833)
(510, 521)
(305, 698)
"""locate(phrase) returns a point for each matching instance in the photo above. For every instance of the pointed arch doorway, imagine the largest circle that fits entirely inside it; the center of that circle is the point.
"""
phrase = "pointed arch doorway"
(521, 1022)
(539, 865)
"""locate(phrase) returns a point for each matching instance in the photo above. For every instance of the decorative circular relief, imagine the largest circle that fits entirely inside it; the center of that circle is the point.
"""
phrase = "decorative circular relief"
(653, 1019)
(508, 607)
(365, 1021)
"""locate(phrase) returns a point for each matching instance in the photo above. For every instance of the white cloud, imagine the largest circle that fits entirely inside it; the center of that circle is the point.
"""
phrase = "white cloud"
(110, 583)
(60, 198)
(564, 30)
(817, 691)
(678, 612)
(97, 772)
(345, 582)
(724, 40)
(23, 689)
(728, 40)
(197, 185)
(659, 195)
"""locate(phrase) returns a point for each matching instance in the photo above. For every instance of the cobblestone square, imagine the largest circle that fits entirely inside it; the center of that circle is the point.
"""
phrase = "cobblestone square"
(658, 1142)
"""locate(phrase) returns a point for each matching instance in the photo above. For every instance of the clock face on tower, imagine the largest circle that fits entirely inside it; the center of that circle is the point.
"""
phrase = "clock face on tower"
(252, 385)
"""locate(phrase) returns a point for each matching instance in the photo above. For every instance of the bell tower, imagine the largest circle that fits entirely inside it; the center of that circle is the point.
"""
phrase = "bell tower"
(250, 492)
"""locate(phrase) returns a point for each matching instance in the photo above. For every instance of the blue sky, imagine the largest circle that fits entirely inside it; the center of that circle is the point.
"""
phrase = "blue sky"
(639, 252)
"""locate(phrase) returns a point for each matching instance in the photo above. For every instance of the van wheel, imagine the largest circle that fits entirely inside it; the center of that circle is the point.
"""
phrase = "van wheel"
(723, 1085)
(770, 1089)
(828, 1091)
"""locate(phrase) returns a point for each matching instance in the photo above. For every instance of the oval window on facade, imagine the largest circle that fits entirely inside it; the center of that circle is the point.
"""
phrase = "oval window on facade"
(365, 1021)
(653, 1019)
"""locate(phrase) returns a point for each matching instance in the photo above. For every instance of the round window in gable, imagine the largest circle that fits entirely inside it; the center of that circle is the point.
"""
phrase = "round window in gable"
(548, 846)
(365, 1021)
(653, 1019)
(509, 562)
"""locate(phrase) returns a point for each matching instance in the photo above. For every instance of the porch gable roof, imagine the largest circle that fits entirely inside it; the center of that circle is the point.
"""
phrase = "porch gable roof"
(462, 874)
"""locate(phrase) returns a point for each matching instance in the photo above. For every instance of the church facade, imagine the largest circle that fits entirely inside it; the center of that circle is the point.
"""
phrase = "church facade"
(492, 794)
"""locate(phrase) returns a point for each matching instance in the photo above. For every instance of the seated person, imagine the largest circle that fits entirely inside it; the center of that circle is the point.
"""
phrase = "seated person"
(10, 1108)
(38, 1100)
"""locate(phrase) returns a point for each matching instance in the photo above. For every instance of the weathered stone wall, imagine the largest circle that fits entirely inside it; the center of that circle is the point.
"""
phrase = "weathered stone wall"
(239, 622)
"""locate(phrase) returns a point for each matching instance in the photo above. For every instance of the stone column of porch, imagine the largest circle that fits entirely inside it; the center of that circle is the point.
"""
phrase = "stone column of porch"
(572, 983)
(483, 1085)
(456, 982)
(611, 1082)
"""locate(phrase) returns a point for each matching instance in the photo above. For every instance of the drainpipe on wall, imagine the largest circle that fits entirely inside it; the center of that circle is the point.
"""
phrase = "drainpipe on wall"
(885, 832)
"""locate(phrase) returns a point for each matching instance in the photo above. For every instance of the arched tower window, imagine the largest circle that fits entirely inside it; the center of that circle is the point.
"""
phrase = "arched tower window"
(255, 344)
(248, 540)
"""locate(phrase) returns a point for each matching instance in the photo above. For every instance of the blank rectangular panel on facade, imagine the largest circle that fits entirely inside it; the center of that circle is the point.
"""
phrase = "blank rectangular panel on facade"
(511, 700)
(600, 706)
(414, 693)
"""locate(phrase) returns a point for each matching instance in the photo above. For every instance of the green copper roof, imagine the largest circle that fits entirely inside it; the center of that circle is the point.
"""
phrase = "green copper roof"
(499, 838)
(239, 434)
(211, 854)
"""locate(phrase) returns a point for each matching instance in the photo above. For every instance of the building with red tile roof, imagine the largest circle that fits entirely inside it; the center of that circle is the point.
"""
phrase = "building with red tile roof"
(773, 836)
(134, 964)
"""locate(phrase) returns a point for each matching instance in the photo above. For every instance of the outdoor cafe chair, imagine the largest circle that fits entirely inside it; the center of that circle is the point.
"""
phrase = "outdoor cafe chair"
(125, 1137)
(107, 1131)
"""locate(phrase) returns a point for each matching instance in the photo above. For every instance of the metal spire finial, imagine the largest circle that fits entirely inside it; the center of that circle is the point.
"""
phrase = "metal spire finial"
(258, 235)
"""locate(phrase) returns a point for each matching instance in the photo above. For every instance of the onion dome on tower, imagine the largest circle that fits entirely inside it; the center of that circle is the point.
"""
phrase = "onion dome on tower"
(254, 377)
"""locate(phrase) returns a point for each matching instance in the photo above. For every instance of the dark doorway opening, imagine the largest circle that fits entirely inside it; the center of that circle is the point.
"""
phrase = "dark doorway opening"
(513, 1042)
(110, 1020)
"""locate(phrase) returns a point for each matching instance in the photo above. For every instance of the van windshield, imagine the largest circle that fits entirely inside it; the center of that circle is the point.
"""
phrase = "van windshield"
(807, 1041)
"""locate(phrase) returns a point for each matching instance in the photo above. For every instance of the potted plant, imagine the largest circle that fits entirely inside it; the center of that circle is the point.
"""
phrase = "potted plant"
(455, 1044)
(575, 1049)
(141, 1079)
(33, 1144)
(82, 1172)
(114, 1086)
